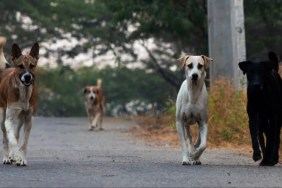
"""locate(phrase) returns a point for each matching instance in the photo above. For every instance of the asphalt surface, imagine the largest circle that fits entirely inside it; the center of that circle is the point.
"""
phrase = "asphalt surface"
(63, 153)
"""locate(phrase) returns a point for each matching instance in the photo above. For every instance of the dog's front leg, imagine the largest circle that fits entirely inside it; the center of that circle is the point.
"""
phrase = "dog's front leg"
(89, 115)
(10, 123)
(180, 131)
(254, 136)
(6, 159)
(27, 128)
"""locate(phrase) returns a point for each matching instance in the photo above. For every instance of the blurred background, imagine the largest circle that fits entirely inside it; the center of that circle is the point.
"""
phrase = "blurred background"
(132, 45)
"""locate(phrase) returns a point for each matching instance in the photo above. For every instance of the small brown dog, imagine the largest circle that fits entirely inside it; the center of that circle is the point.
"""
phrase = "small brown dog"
(18, 101)
(94, 101)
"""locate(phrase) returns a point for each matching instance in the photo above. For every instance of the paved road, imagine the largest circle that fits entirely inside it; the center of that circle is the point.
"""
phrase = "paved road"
(62, 153)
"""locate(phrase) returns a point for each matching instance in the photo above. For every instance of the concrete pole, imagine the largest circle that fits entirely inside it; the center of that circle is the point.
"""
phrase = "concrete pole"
(226, 40)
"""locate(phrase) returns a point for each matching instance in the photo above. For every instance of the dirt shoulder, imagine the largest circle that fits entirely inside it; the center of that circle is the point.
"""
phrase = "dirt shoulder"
(157, 131)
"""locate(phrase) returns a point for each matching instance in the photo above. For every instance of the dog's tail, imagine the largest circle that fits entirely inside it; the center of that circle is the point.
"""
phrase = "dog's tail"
(99, 83)
(3, 61)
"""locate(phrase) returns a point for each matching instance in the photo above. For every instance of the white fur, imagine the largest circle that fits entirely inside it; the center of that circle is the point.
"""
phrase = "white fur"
(12, 119)
(191, 108)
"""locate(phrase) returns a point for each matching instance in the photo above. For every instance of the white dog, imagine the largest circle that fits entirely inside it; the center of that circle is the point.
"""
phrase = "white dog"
(191, 107)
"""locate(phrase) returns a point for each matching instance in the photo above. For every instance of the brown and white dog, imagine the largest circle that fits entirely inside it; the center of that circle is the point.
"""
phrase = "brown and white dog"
(18, 101)
(94, 101)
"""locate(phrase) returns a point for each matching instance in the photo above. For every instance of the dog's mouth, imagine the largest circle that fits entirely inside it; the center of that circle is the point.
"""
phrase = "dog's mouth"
(26, 83)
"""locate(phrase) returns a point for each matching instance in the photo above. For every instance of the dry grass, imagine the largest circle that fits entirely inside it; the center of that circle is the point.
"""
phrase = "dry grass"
(228, 121)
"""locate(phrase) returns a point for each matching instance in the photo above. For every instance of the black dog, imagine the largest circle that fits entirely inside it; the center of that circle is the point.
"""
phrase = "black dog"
(264, 92)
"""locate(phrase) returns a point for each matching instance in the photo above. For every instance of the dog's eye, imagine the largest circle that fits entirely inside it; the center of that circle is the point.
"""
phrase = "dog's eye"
(200, 66)
(21, 66)
(190, 66)
(31, 66)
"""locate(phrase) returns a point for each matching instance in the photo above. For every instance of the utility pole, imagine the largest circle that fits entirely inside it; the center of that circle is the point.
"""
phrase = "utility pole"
(226, 40)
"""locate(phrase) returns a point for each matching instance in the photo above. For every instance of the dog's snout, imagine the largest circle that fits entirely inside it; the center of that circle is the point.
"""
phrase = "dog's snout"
(195, 76)
(27, 77)
(91, 97)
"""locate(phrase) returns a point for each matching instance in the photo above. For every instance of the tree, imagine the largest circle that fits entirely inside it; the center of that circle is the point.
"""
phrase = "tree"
(165, 30)
(263, 27)
(174, 27)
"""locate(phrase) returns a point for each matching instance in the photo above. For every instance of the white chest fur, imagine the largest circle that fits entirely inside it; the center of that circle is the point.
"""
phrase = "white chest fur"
(24, 98)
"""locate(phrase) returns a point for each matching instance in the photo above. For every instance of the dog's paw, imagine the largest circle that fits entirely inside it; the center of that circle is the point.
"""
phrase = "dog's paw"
(17, 157)
(101, 129)
(194, 162)
(185, 163)
(23, 162)
(90, 128)
(267, 163)
(6, 160)
(256, 156)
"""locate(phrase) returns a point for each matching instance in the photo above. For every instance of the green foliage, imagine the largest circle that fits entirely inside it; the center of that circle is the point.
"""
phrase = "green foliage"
(263, 27)
(61, 90)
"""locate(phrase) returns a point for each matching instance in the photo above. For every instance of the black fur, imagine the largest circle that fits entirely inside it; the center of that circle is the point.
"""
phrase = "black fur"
(264, 92)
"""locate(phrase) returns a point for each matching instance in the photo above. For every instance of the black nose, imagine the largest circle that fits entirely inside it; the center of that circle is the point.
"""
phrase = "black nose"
(27, 77)
(91, 98)
(194, 76)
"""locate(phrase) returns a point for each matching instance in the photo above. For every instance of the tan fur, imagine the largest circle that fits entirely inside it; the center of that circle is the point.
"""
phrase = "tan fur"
(184, 61)
(280, 69)
(95, 107)
(9, 91)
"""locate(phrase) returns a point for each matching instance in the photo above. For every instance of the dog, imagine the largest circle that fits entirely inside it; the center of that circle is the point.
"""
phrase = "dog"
(191, 107)
(264, 91)
(18, 101)
(94, 102)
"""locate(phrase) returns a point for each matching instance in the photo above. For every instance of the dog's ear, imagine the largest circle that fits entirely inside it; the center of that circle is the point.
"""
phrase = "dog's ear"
(16, 52)
(34, 52)
(244, 66)
(85, 90)
(182, 61)
(207, 61)
(272, 56)
(274, 60)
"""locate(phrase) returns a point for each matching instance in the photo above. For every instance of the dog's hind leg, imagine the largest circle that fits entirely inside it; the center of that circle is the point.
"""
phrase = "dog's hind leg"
(180, 131)
(191, 147)
(100, 122)
(17, 133)
(6, 159)
(203, 130)
(270, 157)
(198, 142)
